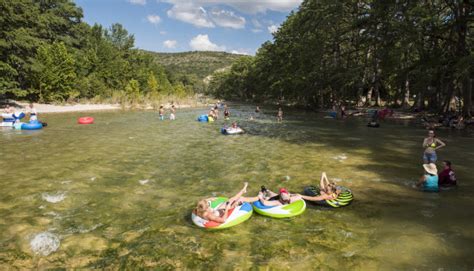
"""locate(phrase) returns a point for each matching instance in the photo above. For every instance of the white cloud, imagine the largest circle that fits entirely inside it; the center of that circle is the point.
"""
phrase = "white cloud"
(272, 28)
(256, 30)
(202, 43)
(225, 18)
(137, 2)
(249, 7)
(163, 32)
(189, 13)
(170, 44)
(154, 19)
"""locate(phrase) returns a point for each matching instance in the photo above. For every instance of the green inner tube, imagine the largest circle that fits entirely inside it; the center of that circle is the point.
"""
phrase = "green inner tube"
(344, 198)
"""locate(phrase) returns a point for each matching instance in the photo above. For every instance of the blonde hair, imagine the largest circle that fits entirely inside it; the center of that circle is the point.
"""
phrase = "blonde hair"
(201, 207)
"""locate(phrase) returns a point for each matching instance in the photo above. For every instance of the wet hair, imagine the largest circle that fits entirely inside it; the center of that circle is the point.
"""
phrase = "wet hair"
(448, 163)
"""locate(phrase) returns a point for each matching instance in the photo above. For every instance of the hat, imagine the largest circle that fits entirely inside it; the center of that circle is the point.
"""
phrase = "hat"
(283, 191)
(430, 168)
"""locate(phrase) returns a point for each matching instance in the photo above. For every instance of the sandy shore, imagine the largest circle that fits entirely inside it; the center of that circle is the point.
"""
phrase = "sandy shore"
(51, 108)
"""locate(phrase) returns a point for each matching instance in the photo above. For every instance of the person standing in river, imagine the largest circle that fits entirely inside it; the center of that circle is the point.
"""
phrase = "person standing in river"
(431, 144)
(172, 112)
(162, 113)
(280, 115)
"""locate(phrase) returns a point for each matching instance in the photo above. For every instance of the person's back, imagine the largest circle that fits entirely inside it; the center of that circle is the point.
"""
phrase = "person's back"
(431, 183)
(447, 177)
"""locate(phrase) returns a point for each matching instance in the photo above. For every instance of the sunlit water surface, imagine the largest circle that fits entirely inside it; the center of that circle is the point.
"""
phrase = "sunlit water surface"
(119, 193)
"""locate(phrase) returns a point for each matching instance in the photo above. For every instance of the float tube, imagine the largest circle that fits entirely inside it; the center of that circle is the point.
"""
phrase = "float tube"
(33, 125)
(373, 124)
(85, 120)
(333, 114)
(232, 131)
(203, 118)
(282, 211)
(236, 216)
(10, 119)
(344, 198)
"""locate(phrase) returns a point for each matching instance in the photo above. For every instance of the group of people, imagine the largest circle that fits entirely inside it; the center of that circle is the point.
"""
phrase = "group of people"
(451, 119)
(431, 180)
(30, 111)
(161, 112)
(328, 191)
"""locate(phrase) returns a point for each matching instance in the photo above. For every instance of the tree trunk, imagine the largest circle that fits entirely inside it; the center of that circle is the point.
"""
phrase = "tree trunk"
(467, 97)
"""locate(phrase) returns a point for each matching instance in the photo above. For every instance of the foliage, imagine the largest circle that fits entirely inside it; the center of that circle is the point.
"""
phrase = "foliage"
(363, 52)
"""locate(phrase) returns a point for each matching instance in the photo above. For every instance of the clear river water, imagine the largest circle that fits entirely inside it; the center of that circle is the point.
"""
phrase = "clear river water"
(118, 194)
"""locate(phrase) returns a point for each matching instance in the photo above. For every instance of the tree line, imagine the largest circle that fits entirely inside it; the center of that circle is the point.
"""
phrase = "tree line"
(48, 54)
(366, 52)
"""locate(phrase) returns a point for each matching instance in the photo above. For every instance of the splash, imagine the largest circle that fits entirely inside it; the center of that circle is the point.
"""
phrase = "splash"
(54, 198)
(340, 157)
(44, 243)
(143, 182)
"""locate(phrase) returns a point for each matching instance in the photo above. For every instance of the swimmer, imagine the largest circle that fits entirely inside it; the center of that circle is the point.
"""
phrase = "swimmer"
(162, 113)
(216, 112)
(447, 177)
(226, 113)
(328, 190)
(32, 112)
(269, 198)
(257, 110)
(220, 215)
(431, 144)
(280, 115)
(429, 180)
(172, 112)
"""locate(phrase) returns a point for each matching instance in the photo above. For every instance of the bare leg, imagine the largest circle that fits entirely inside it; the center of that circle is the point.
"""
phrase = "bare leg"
(239, 195)
(324, 182)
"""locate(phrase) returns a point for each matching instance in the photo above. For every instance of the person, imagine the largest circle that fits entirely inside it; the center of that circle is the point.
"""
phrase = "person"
(343, 112)
(212, 114)
(328, 190)
(280, 115)
(429, 180)
(447, 177)
(33, 113)
(234, 125)
(226, 113)
(257, 110)
(220, 214)
(431, 144)
(216, 113)
(269, 198)
(172, 112)
(162, 112)
(8, 109)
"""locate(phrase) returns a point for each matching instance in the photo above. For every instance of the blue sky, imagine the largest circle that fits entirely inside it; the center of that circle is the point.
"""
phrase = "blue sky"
(238, 26)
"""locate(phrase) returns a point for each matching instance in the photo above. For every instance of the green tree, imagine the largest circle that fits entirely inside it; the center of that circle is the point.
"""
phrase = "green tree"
(55, 73)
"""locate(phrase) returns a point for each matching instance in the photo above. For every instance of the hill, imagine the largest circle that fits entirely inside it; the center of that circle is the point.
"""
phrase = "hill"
(200, 64)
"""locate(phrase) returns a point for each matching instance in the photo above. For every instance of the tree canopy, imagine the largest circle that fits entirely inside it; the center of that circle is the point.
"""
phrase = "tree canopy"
(417, 53)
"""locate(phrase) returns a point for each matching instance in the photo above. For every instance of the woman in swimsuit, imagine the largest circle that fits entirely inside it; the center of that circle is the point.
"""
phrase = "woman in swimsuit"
(220, 215)
(328, 190)
(269, 198)
(431, 144)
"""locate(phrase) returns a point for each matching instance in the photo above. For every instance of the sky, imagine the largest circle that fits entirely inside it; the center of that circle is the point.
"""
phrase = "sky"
(235, 26)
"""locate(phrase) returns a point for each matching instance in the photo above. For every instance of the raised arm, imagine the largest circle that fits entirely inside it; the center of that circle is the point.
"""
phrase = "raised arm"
(441, 144)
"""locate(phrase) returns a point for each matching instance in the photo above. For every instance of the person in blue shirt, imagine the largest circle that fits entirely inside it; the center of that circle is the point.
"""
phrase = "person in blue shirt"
(429, 180)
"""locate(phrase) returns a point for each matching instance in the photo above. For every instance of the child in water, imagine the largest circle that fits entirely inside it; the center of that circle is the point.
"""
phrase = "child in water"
(280, 115)
(172, 113)
(33, 113)
(162, 113)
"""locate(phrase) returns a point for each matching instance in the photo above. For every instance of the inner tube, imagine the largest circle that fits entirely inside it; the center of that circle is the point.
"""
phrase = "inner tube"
(232, 131)
(33, 125)
(345, 197)
(203, 118)
(373, 124)
(333, 114)
(8, 118)
(237, 215)
(85, 120)
(282, 211)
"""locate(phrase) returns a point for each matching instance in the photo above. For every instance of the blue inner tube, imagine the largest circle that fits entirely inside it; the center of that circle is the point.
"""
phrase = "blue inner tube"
(203, 118)
(35, 125)
(333, 114)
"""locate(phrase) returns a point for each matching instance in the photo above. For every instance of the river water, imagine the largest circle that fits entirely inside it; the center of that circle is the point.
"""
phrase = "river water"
(119, 194)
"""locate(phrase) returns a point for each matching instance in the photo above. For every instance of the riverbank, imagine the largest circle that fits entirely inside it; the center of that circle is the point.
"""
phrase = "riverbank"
(86, 107)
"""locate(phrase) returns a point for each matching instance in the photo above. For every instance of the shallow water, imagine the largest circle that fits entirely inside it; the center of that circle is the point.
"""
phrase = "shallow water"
(118, 194)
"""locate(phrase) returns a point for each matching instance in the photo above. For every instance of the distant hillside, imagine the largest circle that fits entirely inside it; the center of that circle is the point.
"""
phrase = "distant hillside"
(201, 64)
